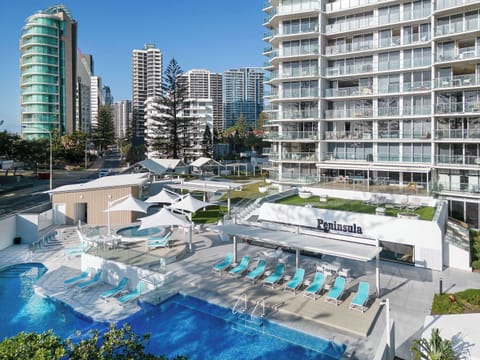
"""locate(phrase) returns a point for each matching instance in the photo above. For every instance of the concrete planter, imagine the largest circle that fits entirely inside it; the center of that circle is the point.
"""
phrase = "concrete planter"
(304, 194)
(408, 215)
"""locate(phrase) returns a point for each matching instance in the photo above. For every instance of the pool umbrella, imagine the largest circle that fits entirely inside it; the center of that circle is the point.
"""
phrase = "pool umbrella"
(126, 204)
(164, 217)
(130, 204)
(164, 196)
(191, 205)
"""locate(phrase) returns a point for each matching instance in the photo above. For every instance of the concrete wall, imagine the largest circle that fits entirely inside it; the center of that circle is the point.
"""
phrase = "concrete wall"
(8, 227)
(114, 271)
(27, 227)
(426, 236)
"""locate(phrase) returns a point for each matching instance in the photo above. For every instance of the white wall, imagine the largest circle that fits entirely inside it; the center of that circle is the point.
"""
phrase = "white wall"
(114, 271)
(27, 227)
(8, 231)
(426, 236)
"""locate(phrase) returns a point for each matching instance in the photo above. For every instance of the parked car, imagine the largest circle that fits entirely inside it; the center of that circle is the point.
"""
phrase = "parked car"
(104, 172)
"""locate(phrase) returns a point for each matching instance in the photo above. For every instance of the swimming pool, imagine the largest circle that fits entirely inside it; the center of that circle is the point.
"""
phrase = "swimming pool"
(181, 325)
(132, 232)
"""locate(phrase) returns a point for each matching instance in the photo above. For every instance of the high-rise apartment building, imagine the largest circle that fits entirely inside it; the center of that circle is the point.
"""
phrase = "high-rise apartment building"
(146, 82)
(107, 95)
(242, 95)
(386, 93)
(48, 56)
(96, 99)
(204, 85)
(122, 111)
(84, 73)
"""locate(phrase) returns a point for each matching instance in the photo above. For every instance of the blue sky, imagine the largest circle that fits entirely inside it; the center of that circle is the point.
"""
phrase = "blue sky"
(211, 34)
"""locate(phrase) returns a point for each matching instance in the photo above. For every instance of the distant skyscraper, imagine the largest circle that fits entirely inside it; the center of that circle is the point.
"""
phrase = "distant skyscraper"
(242, 94)
(84, 73)
(205, 85)
(48, 56)
(146, 82)
(121, 116)
(107, 95)
(96, 99)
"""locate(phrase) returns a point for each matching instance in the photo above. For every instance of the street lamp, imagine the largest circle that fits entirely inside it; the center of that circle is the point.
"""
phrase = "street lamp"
(50, 140)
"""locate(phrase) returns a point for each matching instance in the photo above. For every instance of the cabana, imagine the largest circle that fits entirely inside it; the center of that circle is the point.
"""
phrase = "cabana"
(203, 164)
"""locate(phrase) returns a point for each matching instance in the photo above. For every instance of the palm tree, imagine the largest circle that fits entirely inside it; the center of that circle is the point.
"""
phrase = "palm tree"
(434, 349)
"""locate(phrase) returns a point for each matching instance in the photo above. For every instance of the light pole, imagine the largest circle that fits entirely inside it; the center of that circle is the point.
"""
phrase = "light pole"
(51, 157)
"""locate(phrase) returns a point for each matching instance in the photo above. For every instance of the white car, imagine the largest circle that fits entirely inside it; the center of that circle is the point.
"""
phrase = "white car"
(104, 172)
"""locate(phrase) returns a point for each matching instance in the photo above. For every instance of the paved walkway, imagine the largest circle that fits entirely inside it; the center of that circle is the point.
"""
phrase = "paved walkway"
(409, 289)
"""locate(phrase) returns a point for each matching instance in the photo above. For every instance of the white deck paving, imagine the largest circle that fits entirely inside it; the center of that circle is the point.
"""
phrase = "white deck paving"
(409, 289)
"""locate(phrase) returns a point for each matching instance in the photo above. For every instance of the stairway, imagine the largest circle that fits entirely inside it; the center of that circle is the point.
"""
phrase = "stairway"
(458, 234)
(57, 239)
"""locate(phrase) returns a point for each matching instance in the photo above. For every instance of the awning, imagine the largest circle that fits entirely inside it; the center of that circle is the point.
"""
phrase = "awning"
(153, 166)
(317, 244)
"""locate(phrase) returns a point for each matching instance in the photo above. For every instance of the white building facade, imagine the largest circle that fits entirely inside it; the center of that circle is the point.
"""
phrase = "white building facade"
(122, 111)
(380, 92)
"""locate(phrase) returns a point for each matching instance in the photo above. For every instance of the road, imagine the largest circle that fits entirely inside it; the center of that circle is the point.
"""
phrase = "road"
(34, 194)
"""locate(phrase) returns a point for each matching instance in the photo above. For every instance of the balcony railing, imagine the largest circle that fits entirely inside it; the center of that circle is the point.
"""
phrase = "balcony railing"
(351, 25)
(299, 114)
(457, 107)
(417, 110)
(346, 48)
(389, 111)
(468, 160)
(457, 81)
(292, 135)
(462, 134)
(349, 91)
(348, 113)
(348, 135)
(462, 53)
(349, 70)
(294, 177)
(329, 156)
(389, 65)
(389, 42)
(445, 4)
(417, 85)
(462, 187)
(293, 156)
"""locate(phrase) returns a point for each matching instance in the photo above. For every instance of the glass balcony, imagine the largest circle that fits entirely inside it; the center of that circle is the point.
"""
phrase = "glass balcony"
(353, 135)
(351, 25)
(290, 176)
(416, 158)
(300, 114)
(349, 70)
(329, 156)
(389, 111)
(457, 81)
(293, 156)
(388, 158)
(390, 88)
(462, 53)
(389, 42)
(389, 65)
(422, 135)
(307, 50)
(460, 134)
(457, 107)
(416, 38)
(349, 91)
(349, 113)
(417, 86)
(299, 73)
(292, 135)
(393, 134)
(445, 4)
(417, 110)
(346, 48)
(467, 160)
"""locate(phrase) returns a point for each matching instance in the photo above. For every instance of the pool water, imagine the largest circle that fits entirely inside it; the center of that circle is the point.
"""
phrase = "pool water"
(132, 231)
(180, 325)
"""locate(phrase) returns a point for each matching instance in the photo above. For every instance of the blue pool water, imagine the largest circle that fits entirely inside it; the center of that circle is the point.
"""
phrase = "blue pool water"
(180, 325)
(132, 231)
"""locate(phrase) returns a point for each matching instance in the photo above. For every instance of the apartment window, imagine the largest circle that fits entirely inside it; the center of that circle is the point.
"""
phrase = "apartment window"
(417, 80)
(416, 10)
(471, 20)
(297, 47)
(417, 58)
(389, 61)
(390, 37)
(416, 129)
(388, 129)
(300, 25)
(388, 152)
(300, 89)
(388, 83)
(300, 68)
(416, 33)
(417, 105)
(388, 106)
(389, 14)
(417, 152)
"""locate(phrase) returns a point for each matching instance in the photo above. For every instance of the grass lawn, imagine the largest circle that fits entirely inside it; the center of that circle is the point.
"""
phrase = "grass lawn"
(210, 215)
(249, 191)
(463, 302)
(425, 212)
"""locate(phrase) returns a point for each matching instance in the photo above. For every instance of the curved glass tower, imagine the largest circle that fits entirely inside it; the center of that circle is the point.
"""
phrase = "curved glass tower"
(48, 72)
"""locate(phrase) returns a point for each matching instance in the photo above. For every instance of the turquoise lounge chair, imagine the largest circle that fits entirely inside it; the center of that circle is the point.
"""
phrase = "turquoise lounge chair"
(163, 241)
(77, 278)
(116, 290)
(77, 250)
(240, 268)
(336, 291)
(361, 298)
(133, 295)
(258, 271)
(297, 281)
(224, 265)
(89, 283)
(276, 276)
(315, 287)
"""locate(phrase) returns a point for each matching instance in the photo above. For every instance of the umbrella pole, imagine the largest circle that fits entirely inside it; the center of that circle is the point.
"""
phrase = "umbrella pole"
(190, 233)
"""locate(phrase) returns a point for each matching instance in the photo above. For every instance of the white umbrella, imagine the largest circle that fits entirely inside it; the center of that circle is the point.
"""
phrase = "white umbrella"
(130, 204)
(190, 204)
(164, 217)
(163, 196)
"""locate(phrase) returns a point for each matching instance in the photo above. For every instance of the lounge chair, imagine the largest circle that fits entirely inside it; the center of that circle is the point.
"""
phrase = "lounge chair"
(91, 282)
(296, 281)
(276, 276)
(163, 241)
(240, 268)
(224, 265)
(73, 280)
(258, 271)
(361, 298)
(115, 290)
(133, 295)
(77, 250)
(315, 287)
(336, 291)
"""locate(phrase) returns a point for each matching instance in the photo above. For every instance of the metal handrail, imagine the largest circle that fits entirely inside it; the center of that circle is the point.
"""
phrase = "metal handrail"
(240, 310)
(259, 303)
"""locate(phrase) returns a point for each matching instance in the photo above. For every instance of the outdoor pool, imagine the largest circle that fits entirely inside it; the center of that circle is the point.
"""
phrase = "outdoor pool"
(133, 232)
(181, 325)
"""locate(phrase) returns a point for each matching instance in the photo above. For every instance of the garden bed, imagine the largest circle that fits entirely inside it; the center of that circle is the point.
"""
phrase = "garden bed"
(463, 302)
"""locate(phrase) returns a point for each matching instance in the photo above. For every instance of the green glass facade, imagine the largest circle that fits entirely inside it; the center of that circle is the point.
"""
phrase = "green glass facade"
(45, 66)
